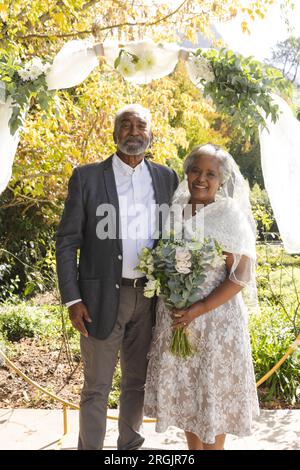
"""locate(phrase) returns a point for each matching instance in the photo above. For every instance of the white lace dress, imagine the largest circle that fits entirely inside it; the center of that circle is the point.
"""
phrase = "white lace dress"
(213, 392)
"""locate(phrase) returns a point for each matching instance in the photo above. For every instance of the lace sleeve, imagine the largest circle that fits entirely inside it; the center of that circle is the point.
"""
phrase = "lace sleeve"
(238, 238)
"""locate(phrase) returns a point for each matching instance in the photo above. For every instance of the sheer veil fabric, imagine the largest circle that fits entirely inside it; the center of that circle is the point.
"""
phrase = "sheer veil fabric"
(280, 159)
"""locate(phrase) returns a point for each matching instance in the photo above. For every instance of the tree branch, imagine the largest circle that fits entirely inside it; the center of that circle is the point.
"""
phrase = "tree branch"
(105, 28)
(46, 16)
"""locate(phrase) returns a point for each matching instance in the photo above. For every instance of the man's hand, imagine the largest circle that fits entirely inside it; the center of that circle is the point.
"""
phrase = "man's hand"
(77, 313)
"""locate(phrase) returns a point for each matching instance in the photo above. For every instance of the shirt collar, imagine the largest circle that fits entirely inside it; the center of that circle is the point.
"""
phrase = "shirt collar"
(125, 169)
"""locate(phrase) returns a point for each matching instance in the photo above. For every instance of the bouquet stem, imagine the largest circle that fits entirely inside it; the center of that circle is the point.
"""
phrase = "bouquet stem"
(181, 346)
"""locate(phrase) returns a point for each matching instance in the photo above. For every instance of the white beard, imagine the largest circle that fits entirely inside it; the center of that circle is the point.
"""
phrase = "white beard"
(133, 149)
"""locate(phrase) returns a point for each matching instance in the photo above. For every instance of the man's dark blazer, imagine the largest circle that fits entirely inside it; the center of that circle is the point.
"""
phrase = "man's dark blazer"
(97, 278)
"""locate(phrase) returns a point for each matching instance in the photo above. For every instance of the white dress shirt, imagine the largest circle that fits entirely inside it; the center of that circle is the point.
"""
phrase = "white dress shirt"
(137, 213)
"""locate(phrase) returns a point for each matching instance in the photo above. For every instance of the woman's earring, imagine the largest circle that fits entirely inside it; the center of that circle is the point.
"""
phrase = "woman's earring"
(219, 191)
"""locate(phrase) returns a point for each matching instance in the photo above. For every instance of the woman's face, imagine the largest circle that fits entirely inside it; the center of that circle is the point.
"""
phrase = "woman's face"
(204, 179)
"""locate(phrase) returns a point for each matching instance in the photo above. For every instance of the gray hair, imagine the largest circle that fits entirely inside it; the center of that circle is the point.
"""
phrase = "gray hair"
(212, 151)
(144, 113)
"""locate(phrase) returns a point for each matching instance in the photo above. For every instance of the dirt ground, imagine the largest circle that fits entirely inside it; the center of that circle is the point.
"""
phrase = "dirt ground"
(50, 368)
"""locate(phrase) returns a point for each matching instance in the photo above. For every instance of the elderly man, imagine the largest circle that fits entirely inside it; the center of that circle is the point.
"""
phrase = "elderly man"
(104, 294)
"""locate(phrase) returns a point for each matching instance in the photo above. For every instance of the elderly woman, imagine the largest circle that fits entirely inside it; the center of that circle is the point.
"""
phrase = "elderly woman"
(212, 392)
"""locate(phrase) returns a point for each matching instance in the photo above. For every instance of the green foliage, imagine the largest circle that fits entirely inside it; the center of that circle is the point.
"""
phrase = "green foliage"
(27, 259)
(16, 325)
(271, 336)
(277, 324)
(262, 211)
(242, 88)
(278, 277)
(247, 155)
(114, 396)
(43, 322)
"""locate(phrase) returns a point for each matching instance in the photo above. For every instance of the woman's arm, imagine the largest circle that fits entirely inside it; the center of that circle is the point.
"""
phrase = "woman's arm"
(224, 292)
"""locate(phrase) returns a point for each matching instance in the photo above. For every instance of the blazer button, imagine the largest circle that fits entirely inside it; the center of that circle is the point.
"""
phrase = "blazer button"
(117, 286)
(120, 257)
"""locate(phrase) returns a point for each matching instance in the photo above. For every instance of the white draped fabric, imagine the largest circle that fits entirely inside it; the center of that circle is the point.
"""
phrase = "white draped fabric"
(8, 145)
(280, 159)
(280, 147)
(72, 65)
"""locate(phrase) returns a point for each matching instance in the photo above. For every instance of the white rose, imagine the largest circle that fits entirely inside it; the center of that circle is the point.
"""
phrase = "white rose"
(183, 260)
(182, 269)
(182, 254)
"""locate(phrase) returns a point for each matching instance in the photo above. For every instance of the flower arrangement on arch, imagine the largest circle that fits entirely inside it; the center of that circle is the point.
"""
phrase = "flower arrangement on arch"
(23, 82)
(144, 61)
(239, 86)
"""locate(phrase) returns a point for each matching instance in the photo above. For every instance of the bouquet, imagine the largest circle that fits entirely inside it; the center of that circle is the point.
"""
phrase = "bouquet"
(176, 271)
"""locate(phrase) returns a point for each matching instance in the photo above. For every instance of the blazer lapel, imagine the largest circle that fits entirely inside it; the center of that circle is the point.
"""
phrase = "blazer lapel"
(111, 189)
(158, 193)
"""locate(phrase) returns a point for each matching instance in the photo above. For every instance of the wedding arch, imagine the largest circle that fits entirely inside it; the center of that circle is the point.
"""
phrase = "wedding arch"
(239, 86)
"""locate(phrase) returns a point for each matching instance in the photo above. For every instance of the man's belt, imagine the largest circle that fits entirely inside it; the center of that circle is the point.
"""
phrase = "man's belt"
(138, 282)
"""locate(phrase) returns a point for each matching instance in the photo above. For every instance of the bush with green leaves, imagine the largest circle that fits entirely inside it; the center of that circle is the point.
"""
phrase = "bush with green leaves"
(27, 252)
(271, 336)
(277, 324)
(262, 211)
(242, 88)
(114, 396)
(15, 325)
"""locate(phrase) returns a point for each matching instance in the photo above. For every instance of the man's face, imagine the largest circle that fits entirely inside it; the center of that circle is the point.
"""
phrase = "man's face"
(133, 135)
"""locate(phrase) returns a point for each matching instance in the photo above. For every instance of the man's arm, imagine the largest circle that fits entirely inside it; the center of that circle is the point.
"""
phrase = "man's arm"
(69, 239)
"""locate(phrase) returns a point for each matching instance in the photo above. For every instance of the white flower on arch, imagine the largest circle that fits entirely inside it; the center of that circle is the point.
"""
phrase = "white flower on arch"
(199, 68)
(148, 61)
(33, 69)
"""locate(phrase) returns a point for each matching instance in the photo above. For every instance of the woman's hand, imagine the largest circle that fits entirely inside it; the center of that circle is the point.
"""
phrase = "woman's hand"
(183, 317)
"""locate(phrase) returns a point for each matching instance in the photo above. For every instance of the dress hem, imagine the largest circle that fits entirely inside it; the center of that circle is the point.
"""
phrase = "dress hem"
(160, 428)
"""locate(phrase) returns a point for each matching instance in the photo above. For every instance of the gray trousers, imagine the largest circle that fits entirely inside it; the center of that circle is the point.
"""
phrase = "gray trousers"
(131, 336)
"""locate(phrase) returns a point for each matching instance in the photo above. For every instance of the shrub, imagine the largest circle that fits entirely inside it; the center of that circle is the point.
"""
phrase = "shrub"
(114, 396)
(26, 252)
(271, 335)
(262, 211)
(16, 325)
(277, 325)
